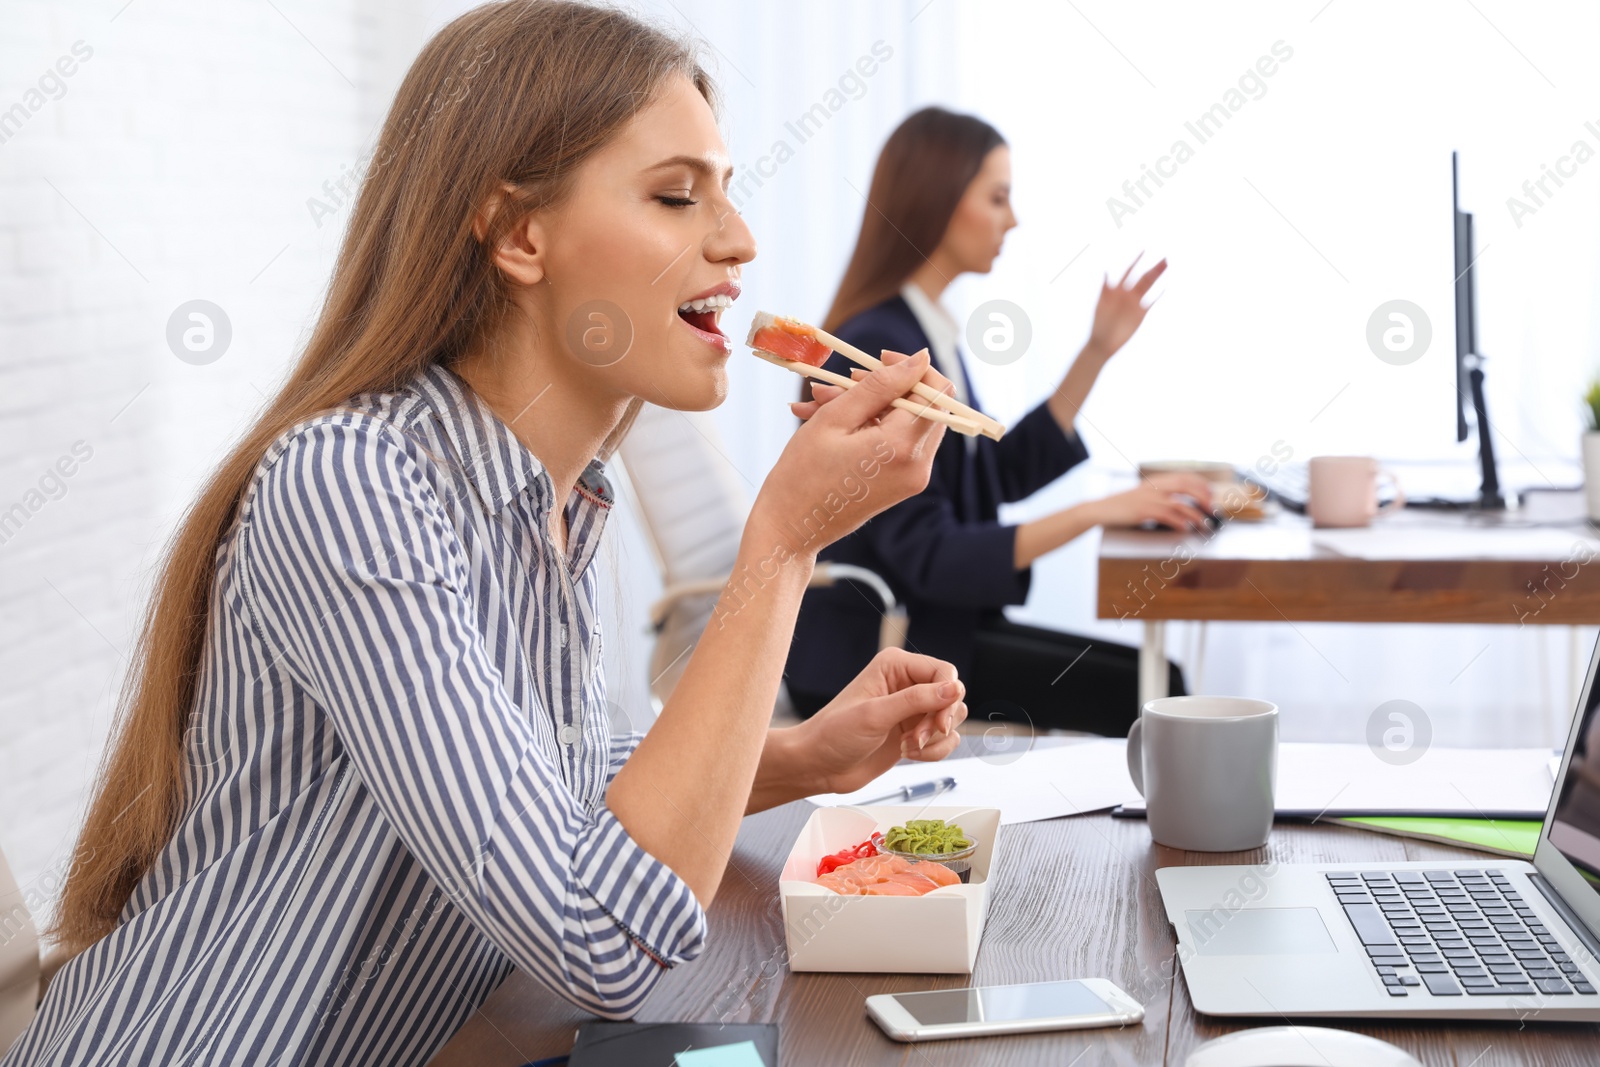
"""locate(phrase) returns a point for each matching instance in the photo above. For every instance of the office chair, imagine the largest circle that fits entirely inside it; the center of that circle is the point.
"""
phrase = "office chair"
(692, 506)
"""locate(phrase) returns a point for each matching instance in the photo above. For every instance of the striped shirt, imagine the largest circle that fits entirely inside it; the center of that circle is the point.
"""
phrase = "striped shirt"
(398, 761)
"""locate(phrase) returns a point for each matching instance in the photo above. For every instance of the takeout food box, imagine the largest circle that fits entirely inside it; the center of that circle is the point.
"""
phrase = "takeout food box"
(936, 933)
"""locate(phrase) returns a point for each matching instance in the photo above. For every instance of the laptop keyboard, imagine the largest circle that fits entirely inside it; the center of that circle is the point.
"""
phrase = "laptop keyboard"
(1454, 933)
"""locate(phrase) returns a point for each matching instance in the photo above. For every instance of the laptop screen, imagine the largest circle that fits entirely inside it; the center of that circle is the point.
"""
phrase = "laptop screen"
(1575, 823)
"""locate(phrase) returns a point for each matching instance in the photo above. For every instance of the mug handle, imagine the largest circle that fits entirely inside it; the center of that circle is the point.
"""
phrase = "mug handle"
(1399, 500)
(1136, 754)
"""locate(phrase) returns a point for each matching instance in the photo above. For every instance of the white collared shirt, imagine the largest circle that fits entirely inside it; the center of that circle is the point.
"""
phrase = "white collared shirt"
(943, 335)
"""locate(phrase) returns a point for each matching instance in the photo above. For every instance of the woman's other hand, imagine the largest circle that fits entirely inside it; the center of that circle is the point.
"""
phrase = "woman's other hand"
(1181, 501)
(1117, 317)
(1121, 309)
(854, 456)
(901, 704)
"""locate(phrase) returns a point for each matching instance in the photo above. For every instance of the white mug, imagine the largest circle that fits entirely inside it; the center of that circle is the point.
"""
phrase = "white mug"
(1207, 768)
(1344, 491)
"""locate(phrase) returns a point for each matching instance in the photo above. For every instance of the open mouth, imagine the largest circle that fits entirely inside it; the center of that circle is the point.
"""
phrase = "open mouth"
(701, 317)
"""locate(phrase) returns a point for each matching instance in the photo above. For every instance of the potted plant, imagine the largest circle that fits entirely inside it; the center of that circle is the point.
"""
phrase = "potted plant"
(1591, 449)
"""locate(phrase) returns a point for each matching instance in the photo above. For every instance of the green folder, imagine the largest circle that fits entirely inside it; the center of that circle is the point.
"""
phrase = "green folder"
(1502, 837)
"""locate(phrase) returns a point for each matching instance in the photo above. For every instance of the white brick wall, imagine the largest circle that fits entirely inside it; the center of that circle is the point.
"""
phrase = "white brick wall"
(181, 153)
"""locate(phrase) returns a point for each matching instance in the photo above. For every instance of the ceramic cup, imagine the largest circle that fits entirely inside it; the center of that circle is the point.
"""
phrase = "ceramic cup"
(1344, 491)
(1206, 767)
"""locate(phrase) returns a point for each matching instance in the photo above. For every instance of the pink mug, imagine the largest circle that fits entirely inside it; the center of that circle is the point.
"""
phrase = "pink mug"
(1344, 491)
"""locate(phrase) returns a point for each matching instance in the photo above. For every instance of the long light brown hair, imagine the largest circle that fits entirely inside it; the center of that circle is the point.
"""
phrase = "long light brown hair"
(922, 173)
(520, 92)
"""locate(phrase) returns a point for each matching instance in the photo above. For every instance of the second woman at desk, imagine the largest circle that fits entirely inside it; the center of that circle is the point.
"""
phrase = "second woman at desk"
(940, 206)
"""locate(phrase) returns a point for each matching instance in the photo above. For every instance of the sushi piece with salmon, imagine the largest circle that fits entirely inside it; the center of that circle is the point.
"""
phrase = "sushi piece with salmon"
(803, 348)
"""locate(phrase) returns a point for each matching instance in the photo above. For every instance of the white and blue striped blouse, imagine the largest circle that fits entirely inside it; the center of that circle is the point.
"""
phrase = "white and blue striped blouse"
(397, 768)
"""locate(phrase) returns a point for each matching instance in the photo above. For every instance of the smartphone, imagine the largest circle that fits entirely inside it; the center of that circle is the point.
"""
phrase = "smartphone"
(1003, 1009)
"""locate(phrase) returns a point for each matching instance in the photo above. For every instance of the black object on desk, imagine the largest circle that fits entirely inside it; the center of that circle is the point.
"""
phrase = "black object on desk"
(618, 1044)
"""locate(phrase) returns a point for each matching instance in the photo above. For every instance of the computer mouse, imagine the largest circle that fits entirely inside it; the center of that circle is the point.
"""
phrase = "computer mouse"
(1214, 520)
(1298, 1046)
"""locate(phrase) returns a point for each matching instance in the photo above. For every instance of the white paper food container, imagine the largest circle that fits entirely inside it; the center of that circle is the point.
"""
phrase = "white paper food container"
(936, 933)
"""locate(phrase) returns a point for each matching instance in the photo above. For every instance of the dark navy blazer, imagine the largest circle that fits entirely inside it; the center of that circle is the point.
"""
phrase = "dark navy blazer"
(943, 552)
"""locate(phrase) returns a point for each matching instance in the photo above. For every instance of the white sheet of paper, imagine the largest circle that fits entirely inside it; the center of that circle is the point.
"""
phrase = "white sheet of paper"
(1025, 784)
(1047, 783)
(1316, 779)
(1381, 541)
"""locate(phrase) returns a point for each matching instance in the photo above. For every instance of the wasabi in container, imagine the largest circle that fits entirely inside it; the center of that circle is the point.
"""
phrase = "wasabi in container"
(926, 837)
(930, 839)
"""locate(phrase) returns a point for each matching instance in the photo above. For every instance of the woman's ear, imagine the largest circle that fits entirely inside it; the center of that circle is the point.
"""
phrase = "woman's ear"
(520, 252)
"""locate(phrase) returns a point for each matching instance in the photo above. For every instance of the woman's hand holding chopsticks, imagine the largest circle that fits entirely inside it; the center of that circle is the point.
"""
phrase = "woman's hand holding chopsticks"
(856, 454)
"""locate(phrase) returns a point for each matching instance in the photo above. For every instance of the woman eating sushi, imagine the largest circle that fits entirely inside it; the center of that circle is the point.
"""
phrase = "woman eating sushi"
(363, 767)
(940, 207)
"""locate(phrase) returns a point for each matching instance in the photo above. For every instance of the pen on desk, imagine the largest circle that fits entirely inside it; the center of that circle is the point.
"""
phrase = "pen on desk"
(920, 791)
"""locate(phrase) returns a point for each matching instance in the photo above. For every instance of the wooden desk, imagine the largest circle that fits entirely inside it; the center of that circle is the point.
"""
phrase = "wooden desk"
(1273, 572)
(1073, 898)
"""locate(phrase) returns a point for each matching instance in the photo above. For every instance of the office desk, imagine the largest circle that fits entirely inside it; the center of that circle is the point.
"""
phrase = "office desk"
(1273, 572)
(1074, 897)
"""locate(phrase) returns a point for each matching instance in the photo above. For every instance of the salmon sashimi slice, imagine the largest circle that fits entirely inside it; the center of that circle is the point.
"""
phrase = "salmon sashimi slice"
(888, 876)
(840, 885)
(936, 871)
(792, 340)
(914, 880)
(853, 879)
(873, 868)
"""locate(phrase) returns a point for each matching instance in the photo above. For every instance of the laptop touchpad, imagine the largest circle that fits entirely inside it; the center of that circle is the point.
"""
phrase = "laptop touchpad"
(1258, 932)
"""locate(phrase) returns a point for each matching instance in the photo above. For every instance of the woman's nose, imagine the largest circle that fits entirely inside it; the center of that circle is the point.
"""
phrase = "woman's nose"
(732, 241)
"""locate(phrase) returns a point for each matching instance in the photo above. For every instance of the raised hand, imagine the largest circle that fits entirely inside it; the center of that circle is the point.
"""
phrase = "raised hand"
(1116, 317)
(1122, 309)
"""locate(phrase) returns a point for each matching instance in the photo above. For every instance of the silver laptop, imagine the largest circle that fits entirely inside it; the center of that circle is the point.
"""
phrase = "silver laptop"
(1478, 939)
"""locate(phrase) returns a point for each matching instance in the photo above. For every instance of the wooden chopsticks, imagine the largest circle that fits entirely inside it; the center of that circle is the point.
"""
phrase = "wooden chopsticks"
(821, 374)
(989, 427)
(804, 339)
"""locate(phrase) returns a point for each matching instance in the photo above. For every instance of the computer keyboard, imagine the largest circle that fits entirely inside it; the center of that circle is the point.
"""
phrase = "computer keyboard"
(1289, 484)
(1453, 933)
(1426, 486)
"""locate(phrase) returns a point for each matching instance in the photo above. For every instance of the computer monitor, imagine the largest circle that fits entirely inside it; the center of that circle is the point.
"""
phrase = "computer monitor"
(1469, 361)
(1466, 312)
(1291, 491)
